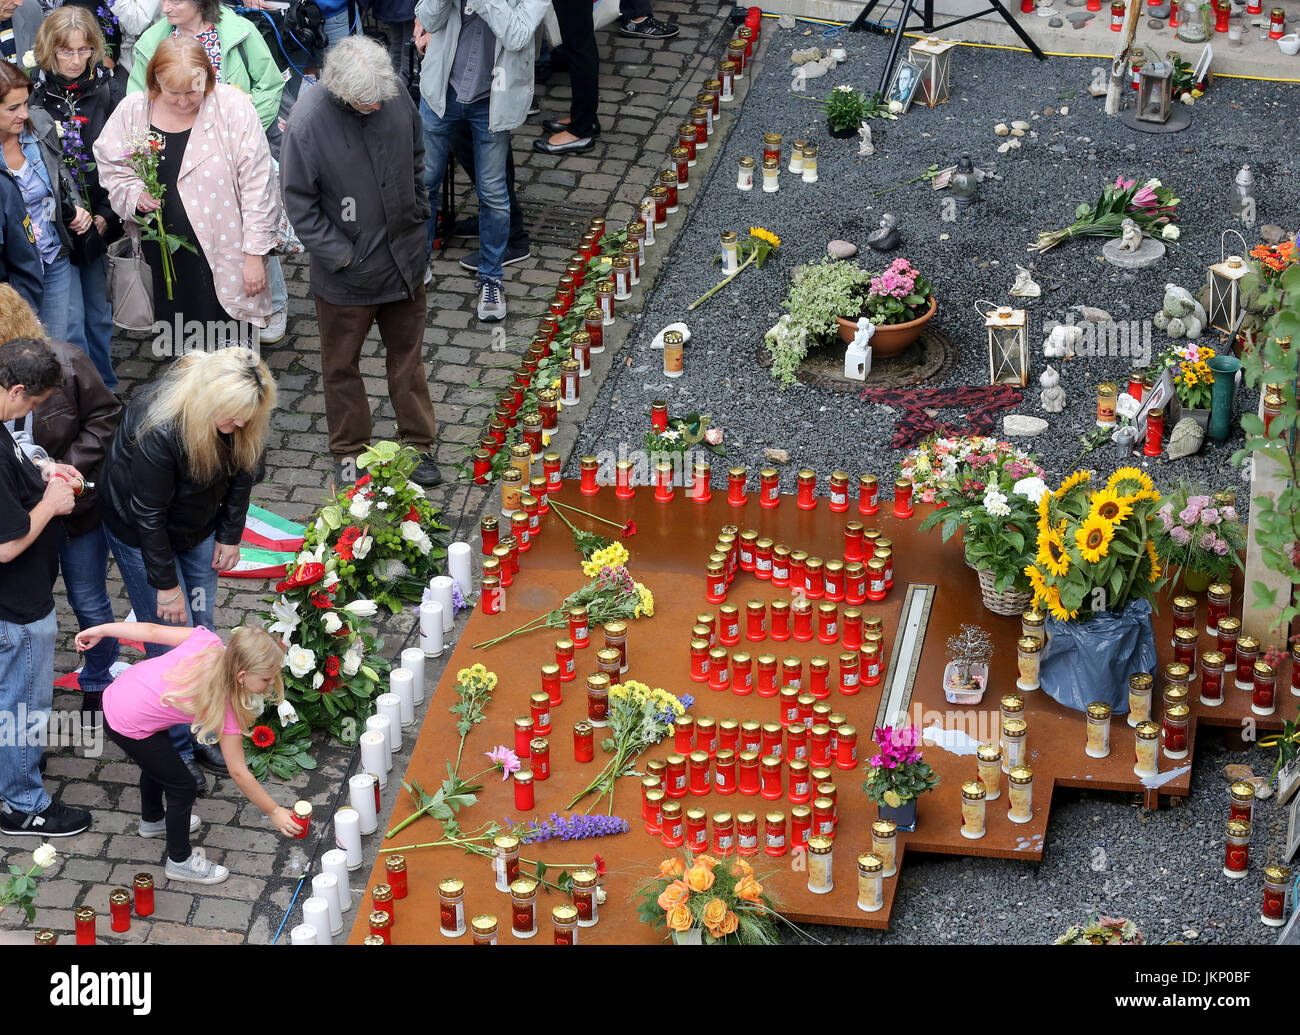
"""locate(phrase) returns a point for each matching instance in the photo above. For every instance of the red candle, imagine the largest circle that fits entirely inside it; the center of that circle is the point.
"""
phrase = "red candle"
(715, 586)
(623, 488)
(652, 810)
(119, 904)
(675, 768)
(807, 487)
(144, 892)
(853, 542)
(770, 488)
(1218, 598)
(395, 869)
(523, 735)
(903, 498)
(803, 630)
(700, 661)
(540, 749)
(588, 466)
(490, 533)
(755, 620)
(724, 772)
(719, 674)
(1184, 615)
(855, 583)
(1117, 15)
(819, 746)
(814, 578)
(659, 415)
(828, 630)
(796, 742)
(1277, 880)
(770, 783)
(697, 831)
(540, 706)
(728, 625)
(564, 658)
(747, 834)
(868, 494)
(780, 620)
(551, 468)
(849, 669)
(819, 675)
(482, 466)
(748, 774)
(736, 487)
(875, 579)
(663, 482)
(524, 800)
(834, 579)
(1236, 856)
(774, 843)
(852, 628)
(702, 491)
(301, 816)
(766, 681)
(1027, 6)
(381, 927)
(800, 782)
(742, 675)
(672, 832)
(870, 664)
(792, 674)
(846, 748)
(772, 734)
(1155, 431)
(1222, 12)
(1263, 699)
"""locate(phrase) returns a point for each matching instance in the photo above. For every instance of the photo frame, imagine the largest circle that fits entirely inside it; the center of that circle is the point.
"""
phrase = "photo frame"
(1293, 835)
(1161, 394)
(904, 84)
(1203, 63)
(1288, 781)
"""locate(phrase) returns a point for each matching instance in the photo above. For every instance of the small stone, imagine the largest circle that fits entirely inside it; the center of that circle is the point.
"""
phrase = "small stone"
(943, 237)
(1161, 11)
(802, 57)
(786, 21)
(1013, 143)
(1056, 23)
(1153, 24)
(1079, 23)
(1272, 233)
(1020, 124)
(1065, 110)
(1004, 148)
(1018, 425)
(1017, 132)
(777, 456)
(841, 249)
(1001, 129)
(1049, 112)
(1186, 439)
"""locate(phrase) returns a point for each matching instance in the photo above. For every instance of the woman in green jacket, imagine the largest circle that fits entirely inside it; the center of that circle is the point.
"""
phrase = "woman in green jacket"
(235, 47)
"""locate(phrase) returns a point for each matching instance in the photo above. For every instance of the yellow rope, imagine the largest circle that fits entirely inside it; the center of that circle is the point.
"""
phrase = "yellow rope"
(1048, 53)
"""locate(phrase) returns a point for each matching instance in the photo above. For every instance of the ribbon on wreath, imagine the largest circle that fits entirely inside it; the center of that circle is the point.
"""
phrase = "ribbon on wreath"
(981, 405)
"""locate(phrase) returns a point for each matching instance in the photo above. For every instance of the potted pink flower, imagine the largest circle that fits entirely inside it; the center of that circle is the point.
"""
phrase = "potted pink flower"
(897, 775)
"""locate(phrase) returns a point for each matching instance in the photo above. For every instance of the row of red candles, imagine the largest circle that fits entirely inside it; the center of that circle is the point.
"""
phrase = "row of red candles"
(85, 918)
(657, 201)
(1222, 15)
(738, 834)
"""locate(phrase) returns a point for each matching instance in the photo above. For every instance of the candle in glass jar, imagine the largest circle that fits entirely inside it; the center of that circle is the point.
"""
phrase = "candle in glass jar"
(1277, 883)
(1146, 749)
(1015, 735)
(1107, 394)
(810, 163)
(1229, 631)
(821, 879)
(771, 176)
(884, 841)
(1236, 855)
(988, 766)
(745, 174)
(1218, 598)
(1139, 697)
(119, 904)
(972, 810)
(1098, 734)
(1028, 652)
(1247, 655)
(1174, 730)
(1212, 678)
(585, 883)
(1011, 706)
(523, 908)
(1241, 801)
(1263, 699)
(871, 894)
(451, 907)
(1020, 794)
(1033, 625)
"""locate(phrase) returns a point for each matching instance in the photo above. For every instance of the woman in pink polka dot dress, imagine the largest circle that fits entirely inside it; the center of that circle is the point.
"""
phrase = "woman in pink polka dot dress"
(221, 193)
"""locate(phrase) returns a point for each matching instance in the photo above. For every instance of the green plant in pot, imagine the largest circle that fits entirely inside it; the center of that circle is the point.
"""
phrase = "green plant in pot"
(897, 776)
(847, 108)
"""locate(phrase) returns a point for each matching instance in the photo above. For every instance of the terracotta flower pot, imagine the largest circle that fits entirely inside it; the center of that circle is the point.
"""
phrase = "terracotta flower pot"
(890, 338)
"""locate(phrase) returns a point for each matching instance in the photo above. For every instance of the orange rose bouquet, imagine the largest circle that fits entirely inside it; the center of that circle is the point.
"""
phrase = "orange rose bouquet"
(722, 902)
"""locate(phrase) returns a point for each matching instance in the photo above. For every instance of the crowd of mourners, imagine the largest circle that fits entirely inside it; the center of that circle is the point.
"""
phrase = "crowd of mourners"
(161, 159)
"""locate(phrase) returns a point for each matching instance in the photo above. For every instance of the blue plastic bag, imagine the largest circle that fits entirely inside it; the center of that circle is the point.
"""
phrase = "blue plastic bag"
(1091, 661)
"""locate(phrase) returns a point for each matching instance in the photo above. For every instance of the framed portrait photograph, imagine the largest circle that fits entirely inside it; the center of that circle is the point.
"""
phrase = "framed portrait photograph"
(906, 81)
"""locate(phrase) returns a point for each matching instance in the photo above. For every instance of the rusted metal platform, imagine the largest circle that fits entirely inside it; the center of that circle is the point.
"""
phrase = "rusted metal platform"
(668, 552)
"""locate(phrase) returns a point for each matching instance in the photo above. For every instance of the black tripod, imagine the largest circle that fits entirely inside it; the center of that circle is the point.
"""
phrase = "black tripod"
(861, 22)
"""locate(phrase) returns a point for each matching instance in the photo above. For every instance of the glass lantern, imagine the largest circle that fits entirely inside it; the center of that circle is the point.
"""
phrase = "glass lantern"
(1008, 346)
(1224, 277)
(932, 55)
(1155, 91)
(965, 182)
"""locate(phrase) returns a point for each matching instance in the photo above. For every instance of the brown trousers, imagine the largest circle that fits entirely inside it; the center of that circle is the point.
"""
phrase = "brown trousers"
(343, 330)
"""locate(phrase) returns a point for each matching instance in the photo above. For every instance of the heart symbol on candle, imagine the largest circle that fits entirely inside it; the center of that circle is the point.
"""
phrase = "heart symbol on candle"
(1237, 858)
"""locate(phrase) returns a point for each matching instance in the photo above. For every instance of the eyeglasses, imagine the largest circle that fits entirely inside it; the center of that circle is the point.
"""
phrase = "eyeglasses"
(83, 52)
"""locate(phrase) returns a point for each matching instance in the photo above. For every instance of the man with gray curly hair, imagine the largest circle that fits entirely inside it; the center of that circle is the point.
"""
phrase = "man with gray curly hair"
(353, 175)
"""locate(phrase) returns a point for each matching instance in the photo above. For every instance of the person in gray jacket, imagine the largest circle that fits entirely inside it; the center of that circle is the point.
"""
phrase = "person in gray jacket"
(352, 166)
(477, 71)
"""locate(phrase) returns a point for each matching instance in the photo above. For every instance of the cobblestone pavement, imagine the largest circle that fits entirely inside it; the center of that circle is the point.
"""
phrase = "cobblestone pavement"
(646, 88)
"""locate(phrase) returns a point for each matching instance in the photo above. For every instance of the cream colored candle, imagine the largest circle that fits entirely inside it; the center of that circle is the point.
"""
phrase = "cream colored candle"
(1015, 736)
(1098, 730)
(988, 763)
(972, 810)
(871, 891)
(1020, 792)
(884, 836)
(1147, 749)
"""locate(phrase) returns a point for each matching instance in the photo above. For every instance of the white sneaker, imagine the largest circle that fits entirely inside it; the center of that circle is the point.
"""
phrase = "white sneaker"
(274, 329)
(197, 870)
(159, 829)
(491, 300)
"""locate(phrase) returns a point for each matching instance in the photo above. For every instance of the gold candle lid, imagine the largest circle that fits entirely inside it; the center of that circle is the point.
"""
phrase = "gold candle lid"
(869, 863)
(1021, 774)
(973, 790)
(1099, 710)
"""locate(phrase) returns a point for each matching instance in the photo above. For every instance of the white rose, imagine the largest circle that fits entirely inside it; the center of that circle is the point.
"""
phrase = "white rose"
(360, 508)
(361, 608)
(381, 506)
(29, 61)
(1170, 232)
(331, 579)
(317, 680)
(333, 623)
(44, 856)
(411, 531)
(1127, 406)
(1153, 183)
(895, 107)
(287, 713)
(300, 660)
(362, 547)
(351, 662)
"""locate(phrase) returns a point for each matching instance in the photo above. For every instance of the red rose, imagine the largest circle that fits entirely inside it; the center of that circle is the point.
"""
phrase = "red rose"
(332, 665)
(263, 737)
(322, 601)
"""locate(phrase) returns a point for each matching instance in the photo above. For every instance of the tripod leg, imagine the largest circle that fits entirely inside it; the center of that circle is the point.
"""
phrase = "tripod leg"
(1015, 25)
(860, 22)
(895, 44)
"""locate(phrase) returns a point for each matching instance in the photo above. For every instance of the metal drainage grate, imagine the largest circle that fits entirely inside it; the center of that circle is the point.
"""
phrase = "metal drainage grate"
(925, 360)
(559, 222)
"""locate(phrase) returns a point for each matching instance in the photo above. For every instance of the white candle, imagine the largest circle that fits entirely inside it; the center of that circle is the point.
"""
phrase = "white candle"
(380, 724)
(440, 587)
(402, 683)
(413, 662)
(361, 794)
(324, 885)
(347, 835)
(460, 566)
(335, 861)
(431, 628)
(316, 912)
(374, 755)
(304, 934)
(390, 705)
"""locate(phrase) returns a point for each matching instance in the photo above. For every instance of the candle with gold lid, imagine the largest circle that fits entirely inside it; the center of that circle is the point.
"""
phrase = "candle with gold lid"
(973, 796)
(1139, 697)
(1098, 736)
(1020, 794)
(988, 764)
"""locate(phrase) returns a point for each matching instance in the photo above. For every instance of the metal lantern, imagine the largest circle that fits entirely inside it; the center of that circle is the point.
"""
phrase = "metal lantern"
(932, 56)
(1008, 346)
(1155, 91)
(1224, 278)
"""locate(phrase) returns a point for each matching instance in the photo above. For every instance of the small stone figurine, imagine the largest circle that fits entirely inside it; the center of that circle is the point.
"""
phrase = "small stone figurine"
(887, 238)
(866, 149)
(1130, 236)
(1052, 396)
(857, 357)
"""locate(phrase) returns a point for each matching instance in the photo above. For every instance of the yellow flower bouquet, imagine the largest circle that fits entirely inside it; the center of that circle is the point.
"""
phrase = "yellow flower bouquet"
(1095, 573)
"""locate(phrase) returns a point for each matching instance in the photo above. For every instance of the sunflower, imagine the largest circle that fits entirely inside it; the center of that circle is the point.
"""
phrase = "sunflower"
(765, 235)
(1130, 474)
(1052, 598)
(1143, 494)
(1052, 554)
(1044, 523)
(1093, 539)
(1155, 573)
(1036, 582)
(1110, 506)
(1078, 478)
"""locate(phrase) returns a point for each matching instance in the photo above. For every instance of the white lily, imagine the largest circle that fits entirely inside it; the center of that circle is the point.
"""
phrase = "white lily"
(361, 608)
(288, 715)
(286, 618)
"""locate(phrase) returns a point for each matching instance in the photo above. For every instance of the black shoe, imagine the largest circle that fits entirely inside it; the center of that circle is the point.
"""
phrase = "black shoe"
(427, 474)
(56, 821)
(514, 253)
(200, 778)
(467, 227)
(649, 28)
(210, 757)
(92, 712)
(545, 147)
(556, 126)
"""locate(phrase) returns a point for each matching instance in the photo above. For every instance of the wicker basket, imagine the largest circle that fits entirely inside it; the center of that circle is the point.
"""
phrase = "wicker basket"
(1008, 602)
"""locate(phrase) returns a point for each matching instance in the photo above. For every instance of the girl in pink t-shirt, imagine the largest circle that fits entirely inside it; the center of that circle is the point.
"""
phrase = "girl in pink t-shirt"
(219, 691)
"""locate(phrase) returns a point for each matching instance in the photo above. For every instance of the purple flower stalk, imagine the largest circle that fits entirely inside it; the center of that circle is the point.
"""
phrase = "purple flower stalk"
(458, 603)
(569, 828)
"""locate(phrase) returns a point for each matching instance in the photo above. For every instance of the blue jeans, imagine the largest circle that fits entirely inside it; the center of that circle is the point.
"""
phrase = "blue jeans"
(279, 289)
(199, 581)
(84, 561)
(490, 152)
(61, 308)
(337, 26)
(98, 318)
(26, 696)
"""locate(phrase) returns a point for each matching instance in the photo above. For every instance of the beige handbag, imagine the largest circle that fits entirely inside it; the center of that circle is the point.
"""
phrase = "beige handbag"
(130, 286)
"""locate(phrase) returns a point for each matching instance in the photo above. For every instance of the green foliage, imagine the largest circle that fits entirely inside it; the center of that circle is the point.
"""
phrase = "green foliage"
(1276, 517)
(290, 753)
(822, 291)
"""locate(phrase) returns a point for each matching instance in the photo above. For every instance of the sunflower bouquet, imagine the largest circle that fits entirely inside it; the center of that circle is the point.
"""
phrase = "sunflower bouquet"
(639, 716)
(722, 900)
(1095, 551)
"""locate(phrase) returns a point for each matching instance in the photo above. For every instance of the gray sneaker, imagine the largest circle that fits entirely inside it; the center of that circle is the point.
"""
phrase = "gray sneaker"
(159, 829)
(197, 870)
(491, 301)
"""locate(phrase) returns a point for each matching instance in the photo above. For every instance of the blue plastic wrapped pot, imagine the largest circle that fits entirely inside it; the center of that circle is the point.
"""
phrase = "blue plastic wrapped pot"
(1091, 661)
